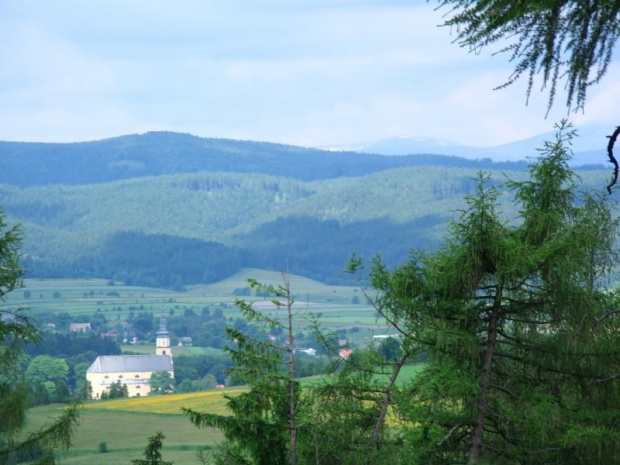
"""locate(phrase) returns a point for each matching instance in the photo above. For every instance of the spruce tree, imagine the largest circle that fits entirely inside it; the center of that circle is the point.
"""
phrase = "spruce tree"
(152, 453)
(523, 341)
(16, 330)
(263, 427)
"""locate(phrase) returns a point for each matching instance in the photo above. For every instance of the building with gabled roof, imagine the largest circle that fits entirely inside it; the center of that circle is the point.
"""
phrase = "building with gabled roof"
(79, 327)
(132, 371)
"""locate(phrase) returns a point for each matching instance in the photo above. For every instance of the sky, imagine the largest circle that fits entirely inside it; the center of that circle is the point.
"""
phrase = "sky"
(320, 73)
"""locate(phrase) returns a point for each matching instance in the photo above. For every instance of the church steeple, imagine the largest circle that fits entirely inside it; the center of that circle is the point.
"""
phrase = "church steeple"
(162, 346)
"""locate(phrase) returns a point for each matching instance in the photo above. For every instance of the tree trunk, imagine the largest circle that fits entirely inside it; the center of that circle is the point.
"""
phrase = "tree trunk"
(385, 402)
(475, 451)
(291, 373)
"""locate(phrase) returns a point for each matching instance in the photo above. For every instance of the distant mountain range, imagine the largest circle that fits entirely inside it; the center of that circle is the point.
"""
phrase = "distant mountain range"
(590, 147)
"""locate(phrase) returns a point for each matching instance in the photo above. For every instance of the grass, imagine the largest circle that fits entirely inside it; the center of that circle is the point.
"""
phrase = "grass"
(176, 350)
(126, 435)
(126, 424)
(82, 298)
(302, 287)
(407, 373)
(208, 401)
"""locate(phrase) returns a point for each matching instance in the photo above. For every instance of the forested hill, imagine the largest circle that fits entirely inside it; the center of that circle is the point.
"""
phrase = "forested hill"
(27, 164)
(180, 229)
(169, 209)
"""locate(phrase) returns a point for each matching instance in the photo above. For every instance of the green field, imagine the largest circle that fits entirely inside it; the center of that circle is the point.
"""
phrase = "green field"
(148, 349)
(84, 297)
(126, 435)
(407, 372)
(125, 424)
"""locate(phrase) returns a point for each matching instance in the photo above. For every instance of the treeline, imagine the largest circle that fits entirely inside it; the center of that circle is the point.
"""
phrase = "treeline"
(146, 260)
(55, 368)
(313, 248)
(320, 249)
(72, 344)
(166, 261)
(97, 230)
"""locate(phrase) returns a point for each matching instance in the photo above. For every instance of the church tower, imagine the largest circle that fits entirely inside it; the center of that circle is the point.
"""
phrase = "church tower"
(162, 346)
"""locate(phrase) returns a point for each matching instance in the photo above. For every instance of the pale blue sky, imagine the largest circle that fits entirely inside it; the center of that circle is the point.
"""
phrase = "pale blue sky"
(306, 72)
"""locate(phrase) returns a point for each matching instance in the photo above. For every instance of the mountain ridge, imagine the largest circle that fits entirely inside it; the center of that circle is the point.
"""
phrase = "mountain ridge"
(28, 164)
(589, 147)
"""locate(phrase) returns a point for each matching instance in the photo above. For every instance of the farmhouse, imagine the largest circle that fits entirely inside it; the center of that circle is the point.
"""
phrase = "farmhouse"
(132, 371)
(79, 327)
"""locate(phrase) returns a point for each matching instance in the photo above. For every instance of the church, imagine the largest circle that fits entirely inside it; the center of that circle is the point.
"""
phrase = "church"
(133, 371)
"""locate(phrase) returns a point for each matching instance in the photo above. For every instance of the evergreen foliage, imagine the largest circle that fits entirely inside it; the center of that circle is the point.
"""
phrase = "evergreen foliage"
(16, 330)
(561, 39)
(73, 344)
(152, 453)
(206, 226)
(340, 421)
(521, 338)
(161, 383)
(160, 153)
(523, 343)
(264, 423)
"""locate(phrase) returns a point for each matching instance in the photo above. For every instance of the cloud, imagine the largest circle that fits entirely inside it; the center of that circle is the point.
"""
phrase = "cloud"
(602, 105)
(312, 72)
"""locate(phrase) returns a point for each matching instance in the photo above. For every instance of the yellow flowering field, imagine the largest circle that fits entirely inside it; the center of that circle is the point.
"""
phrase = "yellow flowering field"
(204, 401)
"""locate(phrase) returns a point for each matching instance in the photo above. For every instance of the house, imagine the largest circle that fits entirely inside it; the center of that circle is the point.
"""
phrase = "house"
(111, 334)
(185, 341)
(79, 327)
(344, 353)
(132, 371)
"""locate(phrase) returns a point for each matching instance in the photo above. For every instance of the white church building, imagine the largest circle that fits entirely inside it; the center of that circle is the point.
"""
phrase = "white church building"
(133, 371)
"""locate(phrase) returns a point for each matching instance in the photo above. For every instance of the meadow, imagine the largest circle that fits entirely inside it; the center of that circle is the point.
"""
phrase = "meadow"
(337, 307)
(126, 432)
(125, 424)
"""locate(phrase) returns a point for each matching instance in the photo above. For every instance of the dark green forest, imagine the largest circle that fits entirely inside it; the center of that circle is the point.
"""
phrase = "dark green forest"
(156, 153)
(231, 204)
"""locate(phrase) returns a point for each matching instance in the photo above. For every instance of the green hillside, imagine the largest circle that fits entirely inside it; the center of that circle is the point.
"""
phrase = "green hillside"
(175, 230)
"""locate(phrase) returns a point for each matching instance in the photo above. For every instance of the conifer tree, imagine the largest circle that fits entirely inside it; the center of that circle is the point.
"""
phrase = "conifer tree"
(152, 453)
(523, 342)
(263, 428)
(16, 330)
